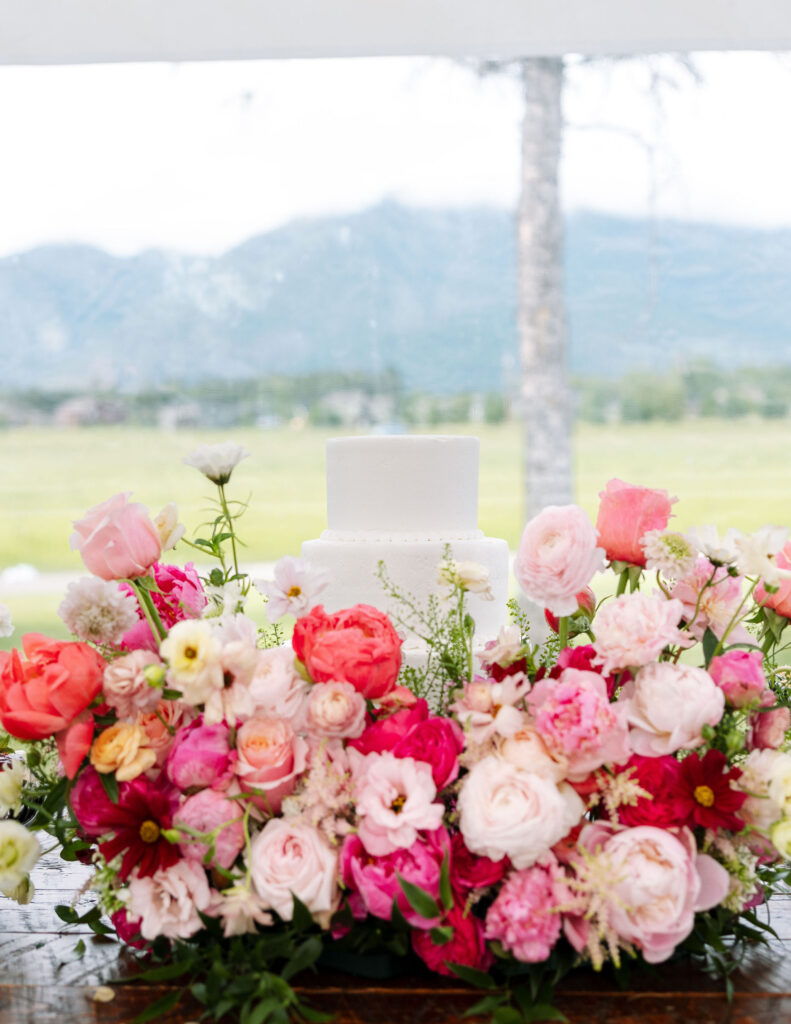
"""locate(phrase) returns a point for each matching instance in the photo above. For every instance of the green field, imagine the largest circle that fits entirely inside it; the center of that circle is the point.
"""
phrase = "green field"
(729, 473)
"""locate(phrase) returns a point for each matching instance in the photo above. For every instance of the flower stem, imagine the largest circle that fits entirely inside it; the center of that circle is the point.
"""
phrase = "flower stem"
(623, 579)
(229, 521)
(563, 631)
(149, 610)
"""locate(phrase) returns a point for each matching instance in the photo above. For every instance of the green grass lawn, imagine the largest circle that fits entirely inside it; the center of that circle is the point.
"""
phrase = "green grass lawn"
(733, 473)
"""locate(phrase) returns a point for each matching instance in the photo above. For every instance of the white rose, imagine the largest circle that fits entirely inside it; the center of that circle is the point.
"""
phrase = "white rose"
(667, 706)
(12, 775)
(507, 811)
(335, 709)
(291, 859)
(766, 777)
(19, 851)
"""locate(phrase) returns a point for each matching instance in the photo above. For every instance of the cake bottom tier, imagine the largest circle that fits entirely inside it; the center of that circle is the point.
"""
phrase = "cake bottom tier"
(412, 567)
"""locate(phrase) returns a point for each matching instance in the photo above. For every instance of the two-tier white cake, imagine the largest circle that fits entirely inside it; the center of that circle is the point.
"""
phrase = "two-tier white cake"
(401, 499)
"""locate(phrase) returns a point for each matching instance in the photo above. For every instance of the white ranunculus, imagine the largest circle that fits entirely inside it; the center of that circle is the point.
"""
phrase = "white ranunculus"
(507, 811)
(470, 576)
(12, 776)
(19, 851)
(217, 461)
(290, 858)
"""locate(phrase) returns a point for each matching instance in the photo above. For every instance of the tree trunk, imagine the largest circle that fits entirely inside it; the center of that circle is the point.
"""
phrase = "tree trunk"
(545, 396)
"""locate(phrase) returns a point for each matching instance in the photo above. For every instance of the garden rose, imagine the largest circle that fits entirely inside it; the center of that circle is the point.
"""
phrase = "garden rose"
(505, 811)
(276, 687)
(167, 715)
(626, 514)
(527, 749)
(289, 858)
(667, 706)
(167, 902)
(271, 758)
(205, 812)
(117, 539)
(525, 916)
(466, 947)
(659, 777)
(125, 686)
(122, 748)
(200, 756)
(335, 709)
(634, 629)
(780, 601)
(386, 732)
(557, 557)
(740, 676)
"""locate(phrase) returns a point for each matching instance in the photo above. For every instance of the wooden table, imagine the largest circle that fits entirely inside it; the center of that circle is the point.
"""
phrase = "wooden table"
(43, 982)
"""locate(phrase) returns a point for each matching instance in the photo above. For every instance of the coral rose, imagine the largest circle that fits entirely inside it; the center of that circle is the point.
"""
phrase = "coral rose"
(271, 758)
(117, 539)
(626, 514)
(122, 748)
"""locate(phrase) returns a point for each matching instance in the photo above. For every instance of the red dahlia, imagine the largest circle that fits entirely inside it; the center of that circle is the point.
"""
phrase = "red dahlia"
(705, 794)
(144, 810)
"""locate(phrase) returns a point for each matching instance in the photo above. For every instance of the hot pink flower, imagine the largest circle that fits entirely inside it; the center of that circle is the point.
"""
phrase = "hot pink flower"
(716, 605)
(117, 539)
(525, 917)
(92, 807)
(634, 629)
(201, 755)
(467, 946)
(767, 729)
(387, 731)
(740, 676)
(626, 514)
(469, 871)
(179, 596)
(204, 812)
(582, 657)
(437, 741)
(557, 557)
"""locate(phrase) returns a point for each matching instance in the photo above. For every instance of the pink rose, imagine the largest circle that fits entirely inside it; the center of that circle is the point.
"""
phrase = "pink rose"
(167, 902)
(335, 709)
(271, 759)
(204, 812)
(438, 742)
(780, 601)
(466, 947)
(179, 595)
(557, 557)
(767, 729)
(740, 676)
(577, 721)
(117, 539)
(626, 514)
(125, 686)
(357, 645)
(667, 706)
(167, 715)
(525, 917)
(634, 629)
(469, 871)
(711, 598)
(201, 755)
(659, 882)
(290, 858)
(277, 689)
(386, 732)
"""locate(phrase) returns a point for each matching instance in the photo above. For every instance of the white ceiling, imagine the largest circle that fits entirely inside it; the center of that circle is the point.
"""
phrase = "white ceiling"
(91, 31)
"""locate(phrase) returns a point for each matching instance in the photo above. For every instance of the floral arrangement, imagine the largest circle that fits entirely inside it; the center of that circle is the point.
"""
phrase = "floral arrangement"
(618, 793)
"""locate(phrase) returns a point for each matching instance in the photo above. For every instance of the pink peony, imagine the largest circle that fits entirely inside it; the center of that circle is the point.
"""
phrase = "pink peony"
(167, 902)
(290, 858)
(577, 721)
(557, 557)
(394, 798)
(626, 513)
(201, 755)
(335, 709)
(767, 729)
(179, 595)
(780, 601)
(634, 629)
(466, 947)
(92, 807)
(667, 706)
(125, 687)
(740, 676)
(659, 882)
(205, 812)
(716, 604)
(117, 539)
(271, 759)
(525, 917)
(437, 741)
(387, 731)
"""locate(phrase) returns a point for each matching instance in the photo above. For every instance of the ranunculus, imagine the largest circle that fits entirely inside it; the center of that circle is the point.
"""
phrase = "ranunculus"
(335, 709)
(667, 706)
(167, 902)
(525, 918)
(557, 557)
(201, 756)
(271, 758)
(505, 811)
(626, 513)
(117, 539)
(780, 601)
(659, 882)
(634, 629)
(205, 812)
(122, 748)
(290, 858)
(469, 871)
(48, 694)
(357, 645)
(125, 686)
(19, 851)
(740, 676)
(388, 731)
(438, 742)
(768, 728)
(193, 655)
(466, 947)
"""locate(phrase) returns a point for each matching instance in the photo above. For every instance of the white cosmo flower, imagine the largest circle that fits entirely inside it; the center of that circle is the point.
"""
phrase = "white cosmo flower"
(12, 775)
(228, 599)
(295, 588)
(757, 554)
(217, 461)
(168, 527)
(19, 851)
(669, 553)
(470, 576)
(98, 610)
(706, 541)
(6, 625)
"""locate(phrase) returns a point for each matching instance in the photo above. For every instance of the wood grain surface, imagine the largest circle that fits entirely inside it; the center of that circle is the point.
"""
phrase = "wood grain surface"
(42, 981)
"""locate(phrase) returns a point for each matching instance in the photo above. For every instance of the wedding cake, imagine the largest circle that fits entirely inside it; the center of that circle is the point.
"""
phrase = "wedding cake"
(401, 500)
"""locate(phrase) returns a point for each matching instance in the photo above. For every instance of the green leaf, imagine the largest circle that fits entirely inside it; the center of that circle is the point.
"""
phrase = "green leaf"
(710, 644)
(164, 973)
(485, 1005)
(79, 949)
(171, 694)
(418, 899)
(507, 1015)
(542, 1012)
(110, 785)
(441, 936)
(259, 1013)
(314, 1016)
(478, 979)
(445, 891)
(302, 919)
(305, 955)
(67, 914)
(158, 1008)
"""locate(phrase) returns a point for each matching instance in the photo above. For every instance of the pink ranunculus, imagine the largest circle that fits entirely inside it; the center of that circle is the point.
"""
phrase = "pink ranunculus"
(780, 601)
(469, 871)
(179, 595)
(634, 629)
(557, 557)
(117, 539)
(438, 742)
(395, 799)
(525, 918)
(667, 706)
(466, 947)
(375, 879)
(711, 607)
(740, 676)
(335, 709)
(92, 807)
(388, 731)
(201, 755)
(290, 858)
(659, 882)
(626, 514)
(766, 730)
(125, 686)
(577, 721)
(357, 645)
(270, 760)
(168, 901)
(277, 689)
(204, 812)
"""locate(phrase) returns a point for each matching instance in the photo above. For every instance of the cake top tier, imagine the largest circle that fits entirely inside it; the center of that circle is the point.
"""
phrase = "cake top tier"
(404, 484)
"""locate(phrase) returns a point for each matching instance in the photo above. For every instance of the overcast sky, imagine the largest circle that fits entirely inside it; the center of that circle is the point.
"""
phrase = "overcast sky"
(198, 157)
